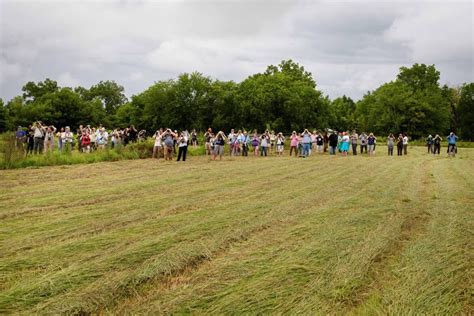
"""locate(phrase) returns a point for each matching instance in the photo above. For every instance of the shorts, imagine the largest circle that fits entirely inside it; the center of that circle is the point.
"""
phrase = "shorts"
(279, 148)
(218, 150)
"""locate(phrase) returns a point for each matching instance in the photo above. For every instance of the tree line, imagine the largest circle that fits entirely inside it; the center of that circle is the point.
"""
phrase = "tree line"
(283, 98)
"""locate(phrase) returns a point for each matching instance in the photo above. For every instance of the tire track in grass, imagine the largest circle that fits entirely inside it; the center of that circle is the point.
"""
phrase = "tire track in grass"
(430, 277)
(412, 227)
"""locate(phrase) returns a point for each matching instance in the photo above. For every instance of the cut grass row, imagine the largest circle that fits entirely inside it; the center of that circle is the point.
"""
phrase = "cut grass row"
(249, 235)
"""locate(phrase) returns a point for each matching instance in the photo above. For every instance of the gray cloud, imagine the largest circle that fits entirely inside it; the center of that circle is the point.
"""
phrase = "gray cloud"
(349, 46)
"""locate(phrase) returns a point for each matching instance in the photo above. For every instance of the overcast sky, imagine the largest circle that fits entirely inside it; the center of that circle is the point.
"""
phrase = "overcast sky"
(349, 46)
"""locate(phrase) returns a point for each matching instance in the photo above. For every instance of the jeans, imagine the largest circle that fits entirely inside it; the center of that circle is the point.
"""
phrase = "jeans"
(436, 148)
(182, 152)
(263, 151)
(306, 148)
(332, 150)
(362, 148)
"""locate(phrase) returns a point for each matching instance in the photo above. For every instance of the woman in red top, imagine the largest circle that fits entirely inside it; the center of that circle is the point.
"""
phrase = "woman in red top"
(86, 142)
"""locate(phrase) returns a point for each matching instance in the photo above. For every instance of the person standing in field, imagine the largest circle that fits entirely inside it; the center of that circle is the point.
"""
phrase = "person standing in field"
(429, 144)
(20, 137)
(437, 144)
(86, 141)
(371, 144)
(294, 144)
(306, 135)
(93, 137)
(30, 140)
(333, 139)
(405, 144)
(231, 138)
(157, 145)
(245, 144)
(363, 143)
(452, 140)
(345, 143)
(207, 145)
(68, 140)
(319, 143)
(182, 145)
(49, 138)
(194, 140)
(280, 144)
(272, 139)
(390, 144)
(255, 143)
(38, 130)
(354, 141)
(326, 140)
(264, 143)
(400, 145)
(219, 144)
(168, 139)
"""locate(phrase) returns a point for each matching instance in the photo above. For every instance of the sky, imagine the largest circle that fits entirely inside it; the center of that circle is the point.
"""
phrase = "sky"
(350, 47)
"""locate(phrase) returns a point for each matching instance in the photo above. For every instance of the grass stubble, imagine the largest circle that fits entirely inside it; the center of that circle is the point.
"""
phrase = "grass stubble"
(319, 235)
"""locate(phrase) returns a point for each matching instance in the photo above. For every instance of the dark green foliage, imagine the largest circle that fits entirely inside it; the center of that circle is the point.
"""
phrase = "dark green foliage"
(466, 109)
(283, 98)
(414, 104)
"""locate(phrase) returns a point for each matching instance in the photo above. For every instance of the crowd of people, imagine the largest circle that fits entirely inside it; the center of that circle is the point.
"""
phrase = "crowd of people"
(39, 138)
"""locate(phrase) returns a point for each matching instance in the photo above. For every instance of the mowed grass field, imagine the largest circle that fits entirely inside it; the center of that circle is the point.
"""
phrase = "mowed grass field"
(357, 235)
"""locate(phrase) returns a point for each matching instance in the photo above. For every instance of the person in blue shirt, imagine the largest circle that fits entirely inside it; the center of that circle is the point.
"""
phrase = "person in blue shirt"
(20, 137)
(452, 139)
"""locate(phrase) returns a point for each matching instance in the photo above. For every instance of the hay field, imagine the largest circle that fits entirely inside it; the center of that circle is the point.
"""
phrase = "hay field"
(321, 235)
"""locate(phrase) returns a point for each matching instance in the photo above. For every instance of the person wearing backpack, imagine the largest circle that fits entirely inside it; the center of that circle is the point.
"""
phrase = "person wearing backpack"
(437, 144)
(168, 139)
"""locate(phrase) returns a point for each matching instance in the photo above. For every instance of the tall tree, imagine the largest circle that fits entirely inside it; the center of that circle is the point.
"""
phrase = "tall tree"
(466, 111)
(109, 92)
(32, 90)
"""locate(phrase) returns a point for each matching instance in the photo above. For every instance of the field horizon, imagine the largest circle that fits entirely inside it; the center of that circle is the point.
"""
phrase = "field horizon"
(321, 235)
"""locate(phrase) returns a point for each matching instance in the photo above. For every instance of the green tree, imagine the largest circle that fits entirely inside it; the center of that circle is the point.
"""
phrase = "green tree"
(32, 91)
(466, 111)
(3, 117)
(109, 92)
(343, 114)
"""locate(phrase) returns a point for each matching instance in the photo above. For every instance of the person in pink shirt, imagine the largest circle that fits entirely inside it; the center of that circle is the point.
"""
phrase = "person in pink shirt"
(294, 143)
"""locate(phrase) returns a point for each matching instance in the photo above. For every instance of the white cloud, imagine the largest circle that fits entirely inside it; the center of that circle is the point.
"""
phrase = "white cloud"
(350, 46)
(66, 80)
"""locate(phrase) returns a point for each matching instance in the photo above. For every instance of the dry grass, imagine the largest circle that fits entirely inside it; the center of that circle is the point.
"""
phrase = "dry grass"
(258, 235)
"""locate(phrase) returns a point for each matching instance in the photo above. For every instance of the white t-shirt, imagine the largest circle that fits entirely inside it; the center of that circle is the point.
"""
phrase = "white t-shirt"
(158, 140)
(405, 140)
